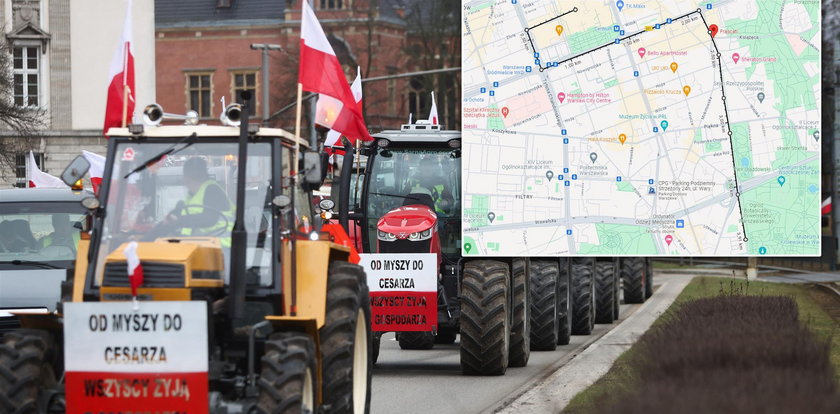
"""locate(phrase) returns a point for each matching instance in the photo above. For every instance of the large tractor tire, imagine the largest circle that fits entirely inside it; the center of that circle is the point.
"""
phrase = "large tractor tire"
(520, 331)
(564, 305)
(416, 340)
(346, 368)
(649, 278)
(27, 379)
(583, 300)
(288, 378)
(544, 322)
(446, 336)
(634, 278)
(485, 317)
(605, 297)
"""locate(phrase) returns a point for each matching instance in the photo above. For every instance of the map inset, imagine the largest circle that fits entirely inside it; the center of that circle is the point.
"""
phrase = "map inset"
(641, 127)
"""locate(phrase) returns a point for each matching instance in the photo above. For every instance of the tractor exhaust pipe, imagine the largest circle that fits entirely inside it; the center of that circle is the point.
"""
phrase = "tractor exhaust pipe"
(238, 236)
(344, 188)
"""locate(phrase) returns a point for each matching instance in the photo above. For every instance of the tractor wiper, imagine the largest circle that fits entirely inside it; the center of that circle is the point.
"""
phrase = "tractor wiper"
(397, 195)
(30, 263)
(189, 139)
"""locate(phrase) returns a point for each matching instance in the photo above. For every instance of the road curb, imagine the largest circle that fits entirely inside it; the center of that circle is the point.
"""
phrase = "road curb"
(582, 369)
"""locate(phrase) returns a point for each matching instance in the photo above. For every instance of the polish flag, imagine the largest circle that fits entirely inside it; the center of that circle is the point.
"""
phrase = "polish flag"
(433, 114)
(135, 269)
(333, 135)
(120, 107)
(826, 206)
(38, 178)
(320, 72)
(97, 168)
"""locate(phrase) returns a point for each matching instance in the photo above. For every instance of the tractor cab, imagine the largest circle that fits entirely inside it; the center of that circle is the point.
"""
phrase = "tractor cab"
(412, 192)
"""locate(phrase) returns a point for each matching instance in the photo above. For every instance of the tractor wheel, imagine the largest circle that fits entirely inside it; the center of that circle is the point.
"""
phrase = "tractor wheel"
(485, 317)
(416, 340)
(564, 306)
(27, 380)
(583, 300)
(605, 292)
(649, 278)
(520, 331)
(287, 381)
(633, 275)
(446, 336)
(346, 368)
(544, 323)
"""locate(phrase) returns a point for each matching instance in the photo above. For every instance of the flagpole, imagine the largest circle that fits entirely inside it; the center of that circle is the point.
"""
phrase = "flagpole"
(125, 104)
(297, 128)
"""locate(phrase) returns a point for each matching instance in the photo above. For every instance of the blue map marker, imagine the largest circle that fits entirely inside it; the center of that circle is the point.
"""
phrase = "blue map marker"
(664, 125)
(781, 180)
(762, 250)
(619, 4)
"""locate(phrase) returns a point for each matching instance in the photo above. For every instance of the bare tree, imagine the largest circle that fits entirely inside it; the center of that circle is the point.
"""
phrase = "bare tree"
(18, 125)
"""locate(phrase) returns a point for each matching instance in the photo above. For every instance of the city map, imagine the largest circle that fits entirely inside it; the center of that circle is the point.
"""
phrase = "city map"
(641, 127)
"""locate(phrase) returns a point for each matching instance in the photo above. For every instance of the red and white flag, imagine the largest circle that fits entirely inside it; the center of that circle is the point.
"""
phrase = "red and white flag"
(38, 178)
(826, 206)
(97, 168)
(119, 109)
(433, 114)
(135, 269)
(320, 72)
(356, 88)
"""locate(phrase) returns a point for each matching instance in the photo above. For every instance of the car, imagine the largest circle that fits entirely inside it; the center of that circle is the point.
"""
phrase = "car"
(35, 256)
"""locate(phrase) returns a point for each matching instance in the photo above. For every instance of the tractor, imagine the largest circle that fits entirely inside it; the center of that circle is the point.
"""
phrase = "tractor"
(282, 317)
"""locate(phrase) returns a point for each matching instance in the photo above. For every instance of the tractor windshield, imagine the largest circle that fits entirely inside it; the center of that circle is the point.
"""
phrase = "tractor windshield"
(189, 198)
(401, 176)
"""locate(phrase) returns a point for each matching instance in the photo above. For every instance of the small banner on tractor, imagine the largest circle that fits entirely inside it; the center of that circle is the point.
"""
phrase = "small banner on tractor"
(403, 291)
(153, 359)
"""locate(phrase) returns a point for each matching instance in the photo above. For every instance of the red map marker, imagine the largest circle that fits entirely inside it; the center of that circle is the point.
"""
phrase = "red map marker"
(505, 111)
(714, 30)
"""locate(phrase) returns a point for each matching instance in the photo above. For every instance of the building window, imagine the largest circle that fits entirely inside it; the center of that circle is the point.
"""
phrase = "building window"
(20, 167)
(245, 81)
(332, 4)
(200, 94)
(25, 72)
(419, 101)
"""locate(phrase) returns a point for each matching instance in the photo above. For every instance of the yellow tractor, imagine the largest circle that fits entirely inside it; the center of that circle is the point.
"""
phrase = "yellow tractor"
(203, 283)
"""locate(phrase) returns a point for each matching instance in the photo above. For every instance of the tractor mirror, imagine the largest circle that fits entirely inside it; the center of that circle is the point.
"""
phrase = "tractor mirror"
(75, 170)
(312, 169)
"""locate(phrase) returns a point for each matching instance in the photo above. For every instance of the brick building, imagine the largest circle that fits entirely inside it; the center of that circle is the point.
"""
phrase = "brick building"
(59, 65)
(203, 54)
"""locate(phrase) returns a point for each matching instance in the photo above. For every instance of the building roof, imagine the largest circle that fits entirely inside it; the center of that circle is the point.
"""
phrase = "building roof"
(170, 13)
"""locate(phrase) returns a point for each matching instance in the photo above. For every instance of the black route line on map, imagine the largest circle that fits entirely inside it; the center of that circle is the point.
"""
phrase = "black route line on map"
(720, 65)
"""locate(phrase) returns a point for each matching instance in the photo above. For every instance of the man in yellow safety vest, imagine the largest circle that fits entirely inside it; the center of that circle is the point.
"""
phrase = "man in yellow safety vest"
(204, 193)
(428, 180)
(63, 233)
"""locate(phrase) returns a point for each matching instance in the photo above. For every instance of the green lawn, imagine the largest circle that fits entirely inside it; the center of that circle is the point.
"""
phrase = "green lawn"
(621, 378)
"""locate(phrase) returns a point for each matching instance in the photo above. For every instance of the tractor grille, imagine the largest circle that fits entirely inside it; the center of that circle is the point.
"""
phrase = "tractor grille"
(405, 246)
(165, 275)
(8, 324)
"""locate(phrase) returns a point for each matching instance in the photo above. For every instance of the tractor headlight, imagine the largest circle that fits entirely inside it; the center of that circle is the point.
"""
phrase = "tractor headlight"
(420, 235)
(385, 236)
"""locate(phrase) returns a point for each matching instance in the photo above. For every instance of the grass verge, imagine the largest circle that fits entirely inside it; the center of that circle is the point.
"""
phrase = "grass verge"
(630, 378)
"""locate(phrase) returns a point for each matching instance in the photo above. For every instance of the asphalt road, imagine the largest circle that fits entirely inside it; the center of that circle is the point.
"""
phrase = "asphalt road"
(431, 381)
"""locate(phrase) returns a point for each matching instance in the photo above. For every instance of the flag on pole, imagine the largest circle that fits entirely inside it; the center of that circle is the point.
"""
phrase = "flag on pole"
(320, 72)
(119, 109)
(38, 178)
(97, 167)
(433, 114)
(356, 88)
(135, 269)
